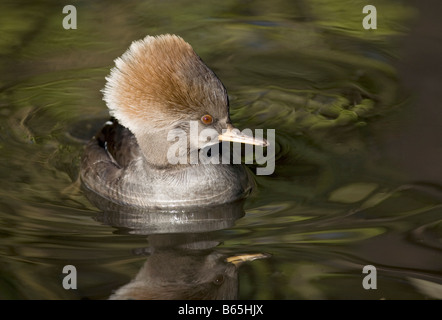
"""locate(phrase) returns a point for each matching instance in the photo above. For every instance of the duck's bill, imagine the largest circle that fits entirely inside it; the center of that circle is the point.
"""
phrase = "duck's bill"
(234, 135)
(241, 258)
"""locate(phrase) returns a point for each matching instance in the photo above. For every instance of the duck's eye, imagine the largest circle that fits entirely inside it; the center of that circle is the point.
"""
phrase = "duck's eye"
(219, 280)
(207, 119)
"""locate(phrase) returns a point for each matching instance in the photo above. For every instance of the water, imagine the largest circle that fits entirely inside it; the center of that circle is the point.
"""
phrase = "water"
(357, 179)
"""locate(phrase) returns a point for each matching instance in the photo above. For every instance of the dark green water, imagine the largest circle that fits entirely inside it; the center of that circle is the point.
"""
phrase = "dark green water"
(357, 180)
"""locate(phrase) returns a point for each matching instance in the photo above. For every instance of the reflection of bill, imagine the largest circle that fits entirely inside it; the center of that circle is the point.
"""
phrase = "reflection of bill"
(186, 267)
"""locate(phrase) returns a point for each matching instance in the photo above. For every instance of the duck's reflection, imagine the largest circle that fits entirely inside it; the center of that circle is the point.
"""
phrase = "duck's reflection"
(184, 261)
(185, 266)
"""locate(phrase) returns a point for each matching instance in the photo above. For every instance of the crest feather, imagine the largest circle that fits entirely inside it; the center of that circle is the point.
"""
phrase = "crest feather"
(157, 76)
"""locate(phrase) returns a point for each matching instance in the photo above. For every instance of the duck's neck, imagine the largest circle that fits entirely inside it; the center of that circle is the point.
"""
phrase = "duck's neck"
(161, 153)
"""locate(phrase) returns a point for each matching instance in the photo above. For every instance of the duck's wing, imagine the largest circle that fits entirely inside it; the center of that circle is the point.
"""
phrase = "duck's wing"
(105, 159)
(118, 143)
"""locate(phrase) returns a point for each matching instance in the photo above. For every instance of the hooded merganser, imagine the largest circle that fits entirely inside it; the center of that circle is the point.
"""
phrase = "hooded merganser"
(160, 84)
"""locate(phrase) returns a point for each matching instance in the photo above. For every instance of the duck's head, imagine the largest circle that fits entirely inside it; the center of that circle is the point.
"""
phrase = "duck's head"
(160, 84)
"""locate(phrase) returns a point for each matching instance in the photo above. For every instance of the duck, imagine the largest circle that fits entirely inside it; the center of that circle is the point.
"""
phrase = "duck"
(157, 87)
